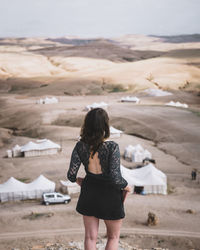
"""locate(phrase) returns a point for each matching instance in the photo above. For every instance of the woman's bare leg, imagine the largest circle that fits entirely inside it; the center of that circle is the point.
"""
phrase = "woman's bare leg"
(113, 233)
(91, 232)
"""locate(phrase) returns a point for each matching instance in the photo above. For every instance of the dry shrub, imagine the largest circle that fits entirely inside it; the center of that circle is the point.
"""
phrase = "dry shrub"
(35, 216)
(190, 211)
(152, 219)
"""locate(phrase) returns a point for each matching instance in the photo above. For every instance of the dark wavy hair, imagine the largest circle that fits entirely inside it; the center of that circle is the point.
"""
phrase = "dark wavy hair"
(95, 128)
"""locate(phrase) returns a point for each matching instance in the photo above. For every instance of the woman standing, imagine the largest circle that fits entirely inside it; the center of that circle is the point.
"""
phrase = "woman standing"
(103, 190)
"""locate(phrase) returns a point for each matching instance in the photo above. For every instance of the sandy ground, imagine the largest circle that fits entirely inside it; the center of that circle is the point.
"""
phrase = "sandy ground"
(167, 132)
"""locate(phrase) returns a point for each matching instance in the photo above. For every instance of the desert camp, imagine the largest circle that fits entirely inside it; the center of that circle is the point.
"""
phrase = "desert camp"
(140, 62)
(136, 153)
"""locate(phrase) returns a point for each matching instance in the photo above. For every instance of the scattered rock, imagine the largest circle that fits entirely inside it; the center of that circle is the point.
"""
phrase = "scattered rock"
(190, 244)
(74, 245)
(190, 211)
(159, 248)
(37, 247)
(152, 219)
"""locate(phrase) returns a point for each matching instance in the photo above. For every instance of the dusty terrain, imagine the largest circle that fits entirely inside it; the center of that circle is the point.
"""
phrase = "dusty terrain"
(82, 75)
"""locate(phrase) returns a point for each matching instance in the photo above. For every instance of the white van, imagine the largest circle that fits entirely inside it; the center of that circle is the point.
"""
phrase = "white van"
(53, 198)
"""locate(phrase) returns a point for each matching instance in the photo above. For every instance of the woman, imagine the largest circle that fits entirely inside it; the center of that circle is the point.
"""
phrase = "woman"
(103, 190)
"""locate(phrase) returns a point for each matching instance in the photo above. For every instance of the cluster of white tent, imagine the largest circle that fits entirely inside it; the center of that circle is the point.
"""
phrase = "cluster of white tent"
(136, 153)
(130, 99)
(47, 100)
(152, 180)
(157, 92)
(96, 105)
(177, 104)
(154, 92)
(149, 177)
(42, 147)
(15, 190)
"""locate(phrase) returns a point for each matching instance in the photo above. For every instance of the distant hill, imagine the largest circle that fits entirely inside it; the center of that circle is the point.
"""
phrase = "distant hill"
(98, 49)
(85, 66)
(73, 41)
(194, 38)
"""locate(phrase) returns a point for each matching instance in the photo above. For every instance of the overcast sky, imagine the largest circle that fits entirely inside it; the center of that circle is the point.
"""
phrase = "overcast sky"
(98, 18)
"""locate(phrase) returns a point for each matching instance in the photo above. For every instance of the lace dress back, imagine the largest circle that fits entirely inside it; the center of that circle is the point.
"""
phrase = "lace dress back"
(105, 163)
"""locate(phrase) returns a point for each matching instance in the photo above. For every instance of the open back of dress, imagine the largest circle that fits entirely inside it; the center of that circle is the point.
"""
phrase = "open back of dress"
(94, 166)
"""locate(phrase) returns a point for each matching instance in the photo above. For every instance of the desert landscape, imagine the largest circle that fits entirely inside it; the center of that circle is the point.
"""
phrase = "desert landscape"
(79, 72)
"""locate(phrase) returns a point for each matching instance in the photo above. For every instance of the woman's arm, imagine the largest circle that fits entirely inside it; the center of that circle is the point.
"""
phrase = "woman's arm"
(115, 171)
(74, 164)
(79, 181)
(125, 191)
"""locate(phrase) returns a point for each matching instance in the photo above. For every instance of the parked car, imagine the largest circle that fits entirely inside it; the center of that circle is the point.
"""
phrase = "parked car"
(54, 197)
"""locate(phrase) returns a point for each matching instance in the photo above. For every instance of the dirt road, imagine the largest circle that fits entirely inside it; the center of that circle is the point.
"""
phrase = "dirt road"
(75, 231)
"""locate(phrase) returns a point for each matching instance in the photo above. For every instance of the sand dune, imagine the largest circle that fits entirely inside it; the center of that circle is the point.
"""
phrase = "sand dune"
(26, 65)
(109, 61)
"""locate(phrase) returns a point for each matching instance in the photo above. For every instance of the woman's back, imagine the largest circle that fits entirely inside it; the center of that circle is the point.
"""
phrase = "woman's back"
(94, 165)
(105, 162)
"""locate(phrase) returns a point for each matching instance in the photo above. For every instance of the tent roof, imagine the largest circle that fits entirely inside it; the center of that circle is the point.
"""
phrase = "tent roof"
(41, 182)
(42, 145)
(97, 105)
(136, 148)
(157, 92)
(177, 104)
(12, 185)
(130, 99)
(147, 175)
(115, 131)
(16, 147)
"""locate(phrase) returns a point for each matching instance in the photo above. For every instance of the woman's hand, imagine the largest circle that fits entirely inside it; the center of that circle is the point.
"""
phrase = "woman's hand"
(126, 190)
(79, 181)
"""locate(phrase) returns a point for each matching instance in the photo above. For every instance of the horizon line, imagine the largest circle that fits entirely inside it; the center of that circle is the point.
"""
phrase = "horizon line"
(98, 37)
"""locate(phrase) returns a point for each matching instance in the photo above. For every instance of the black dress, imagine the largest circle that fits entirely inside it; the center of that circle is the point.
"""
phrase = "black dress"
(101, 194)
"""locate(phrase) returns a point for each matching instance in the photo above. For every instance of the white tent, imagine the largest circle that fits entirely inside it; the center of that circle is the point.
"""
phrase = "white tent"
(47, 100)
(72, 187)
(177, 104)
(153, 180)
(96, 105)
(43, 147)
(157, 92)
(13, 189)
(9, 153)
(115, 133)
(16, 151)
(136, 153)
(130, 99)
